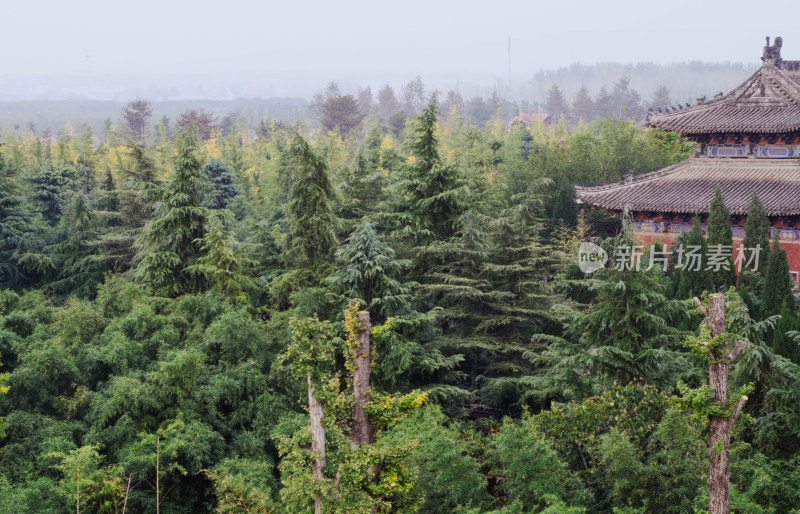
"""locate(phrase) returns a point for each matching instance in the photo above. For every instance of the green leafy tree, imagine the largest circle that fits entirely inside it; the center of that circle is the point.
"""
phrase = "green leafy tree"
(530, 470)
(577, 431)
(244, 486)
(87, 485)
(170, 243)
(666, 475)
(445, 457)
(341, 473)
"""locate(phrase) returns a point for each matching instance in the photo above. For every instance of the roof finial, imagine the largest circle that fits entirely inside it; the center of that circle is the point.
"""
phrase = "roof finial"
(773, 53)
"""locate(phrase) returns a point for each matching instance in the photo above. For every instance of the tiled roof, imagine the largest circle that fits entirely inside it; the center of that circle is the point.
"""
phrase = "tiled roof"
(530, 119)
(688, 187)
(767, 102)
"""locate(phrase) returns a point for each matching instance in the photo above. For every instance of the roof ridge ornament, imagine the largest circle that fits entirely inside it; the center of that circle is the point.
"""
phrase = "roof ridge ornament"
(772, 54)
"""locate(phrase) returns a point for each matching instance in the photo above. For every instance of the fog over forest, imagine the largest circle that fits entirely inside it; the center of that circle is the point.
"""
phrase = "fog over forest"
(196, 52)
(55, 101)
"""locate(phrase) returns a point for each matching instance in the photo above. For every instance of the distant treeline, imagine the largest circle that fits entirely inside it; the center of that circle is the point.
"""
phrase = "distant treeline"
(575, 92)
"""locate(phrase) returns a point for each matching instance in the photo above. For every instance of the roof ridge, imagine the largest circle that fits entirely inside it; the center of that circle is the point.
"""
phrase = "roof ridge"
(637, 179)
(723, 113)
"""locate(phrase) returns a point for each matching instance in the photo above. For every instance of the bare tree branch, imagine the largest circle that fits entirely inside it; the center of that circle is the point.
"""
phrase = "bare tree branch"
(737, 350)
(700, 306)
(738, 409)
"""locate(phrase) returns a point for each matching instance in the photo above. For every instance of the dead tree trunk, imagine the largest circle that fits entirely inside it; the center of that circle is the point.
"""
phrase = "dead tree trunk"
(719, 473)
(316, 411)
(363, 430)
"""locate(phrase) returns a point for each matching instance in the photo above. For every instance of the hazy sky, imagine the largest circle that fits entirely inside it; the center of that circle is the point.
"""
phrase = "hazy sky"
(409, 36)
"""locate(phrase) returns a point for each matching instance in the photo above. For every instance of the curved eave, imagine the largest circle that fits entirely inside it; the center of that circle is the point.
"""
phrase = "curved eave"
(687, 187)
(741, 110)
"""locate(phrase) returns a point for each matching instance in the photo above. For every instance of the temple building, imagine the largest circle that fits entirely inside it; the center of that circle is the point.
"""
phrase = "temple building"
(747, 140)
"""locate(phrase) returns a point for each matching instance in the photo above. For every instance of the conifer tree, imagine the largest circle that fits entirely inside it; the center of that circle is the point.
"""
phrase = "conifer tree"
(222, 266)
(435, 190)
(52, 184)
(778, 282)
(370, 273)
(77, 270)
(139, 174)
(20, 244)
(628, 334)
(692, 278)
(108, 196)
(782, 343)
(720, 241)
(660, 97)
(756, 234)
(517, 298)
(582, 105)
(114, 246)
(312, 240)
(564, 207)
(361, 189)
(171, 242)
(222, 184)
(556, 104)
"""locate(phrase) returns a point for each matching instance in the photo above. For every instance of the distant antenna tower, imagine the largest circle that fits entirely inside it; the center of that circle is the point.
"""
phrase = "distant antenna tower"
(509, 61)
(88, 75)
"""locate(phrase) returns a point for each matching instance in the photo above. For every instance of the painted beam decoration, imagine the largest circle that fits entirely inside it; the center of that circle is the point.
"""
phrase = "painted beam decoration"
(665, 227)
(777, 152)
(727, 150)
(769, 151)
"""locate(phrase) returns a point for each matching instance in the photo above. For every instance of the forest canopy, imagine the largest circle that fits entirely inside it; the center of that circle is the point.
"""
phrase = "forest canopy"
(376, 309)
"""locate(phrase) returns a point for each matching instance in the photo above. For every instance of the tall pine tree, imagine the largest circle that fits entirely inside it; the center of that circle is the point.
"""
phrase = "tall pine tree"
(628, 333)
(692, 278)
(777, 283)
(171, 242)
(20, 237)
(720, 243)
(756, 234)
(312, 240)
